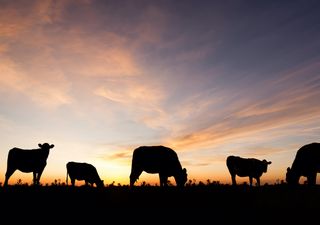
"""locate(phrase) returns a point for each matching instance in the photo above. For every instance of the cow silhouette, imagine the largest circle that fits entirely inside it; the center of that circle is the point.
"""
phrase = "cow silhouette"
(157, 159)
(83, 171)
(246, 167)
(28, 160)
(306, 163)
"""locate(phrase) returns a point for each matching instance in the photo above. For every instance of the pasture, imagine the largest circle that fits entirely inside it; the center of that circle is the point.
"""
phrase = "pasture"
(213, 204)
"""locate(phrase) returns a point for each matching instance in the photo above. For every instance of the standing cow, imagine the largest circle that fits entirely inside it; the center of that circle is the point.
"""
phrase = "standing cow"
(83, 171)
(28, 160)
(246, 167)
(306, 163)
(157, 159)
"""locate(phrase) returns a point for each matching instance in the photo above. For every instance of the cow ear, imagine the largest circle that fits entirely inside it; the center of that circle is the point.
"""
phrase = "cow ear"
(51, 146)
(184, 170)
(40, 145)
(269, 162)
(288, 169)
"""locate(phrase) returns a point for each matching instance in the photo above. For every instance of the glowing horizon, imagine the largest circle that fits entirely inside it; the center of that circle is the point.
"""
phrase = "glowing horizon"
(209, 79)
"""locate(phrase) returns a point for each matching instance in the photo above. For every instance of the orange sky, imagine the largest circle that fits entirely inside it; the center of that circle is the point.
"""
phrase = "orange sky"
(208, 79)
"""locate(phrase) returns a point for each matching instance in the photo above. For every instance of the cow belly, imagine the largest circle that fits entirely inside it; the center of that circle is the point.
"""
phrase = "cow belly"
(162, 172)
(150, 170)
(243, 174)
(78, 177)
(29, 169)
(25, 170)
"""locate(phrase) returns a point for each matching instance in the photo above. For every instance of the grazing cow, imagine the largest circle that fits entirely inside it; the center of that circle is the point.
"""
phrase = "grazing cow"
(157, 159)
(306, 163)
(83, 171)
(28, 160)
(246, 167)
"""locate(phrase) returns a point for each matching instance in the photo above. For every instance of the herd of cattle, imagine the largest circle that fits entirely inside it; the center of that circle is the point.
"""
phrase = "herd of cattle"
(163, 161)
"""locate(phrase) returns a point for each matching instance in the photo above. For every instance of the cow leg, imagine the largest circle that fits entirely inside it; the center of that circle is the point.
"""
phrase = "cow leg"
(163, 180)
(36, 177)
(312, 179)
(233, 178)
(8, 175)
(134, 176)
(73, 181)
(258, 181)
(250, 180)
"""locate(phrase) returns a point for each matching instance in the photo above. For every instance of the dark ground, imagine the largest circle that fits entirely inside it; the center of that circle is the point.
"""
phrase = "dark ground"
(221, 204)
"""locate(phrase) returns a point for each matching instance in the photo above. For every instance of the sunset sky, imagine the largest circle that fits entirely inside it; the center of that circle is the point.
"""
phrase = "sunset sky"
(207, 78)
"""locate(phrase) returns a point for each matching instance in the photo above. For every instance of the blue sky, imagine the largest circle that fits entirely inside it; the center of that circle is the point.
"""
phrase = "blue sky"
(206, 78)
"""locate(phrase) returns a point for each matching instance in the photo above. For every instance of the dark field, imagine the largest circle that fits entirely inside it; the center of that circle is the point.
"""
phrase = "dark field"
(220, 204)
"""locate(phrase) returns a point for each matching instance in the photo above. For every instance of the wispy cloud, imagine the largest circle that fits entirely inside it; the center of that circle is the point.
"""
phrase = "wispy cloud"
(141, 101)
(19, 17)
(278, 109)
(119, 156)
(131, 94)
(103, 55)
(51, 92)
(12, 20)
(150, 27)
(261, 151)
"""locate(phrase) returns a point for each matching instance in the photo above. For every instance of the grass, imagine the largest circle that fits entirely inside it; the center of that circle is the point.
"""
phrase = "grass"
(212, 200)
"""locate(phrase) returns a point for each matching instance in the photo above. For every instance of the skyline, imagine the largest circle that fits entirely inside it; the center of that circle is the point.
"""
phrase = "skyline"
(208, 79)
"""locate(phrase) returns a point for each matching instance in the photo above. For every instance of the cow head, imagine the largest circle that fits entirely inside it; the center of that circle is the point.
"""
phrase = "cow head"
(100, 183)
(45, 146)
(265, 164)
(292, 178)
(181, 177)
